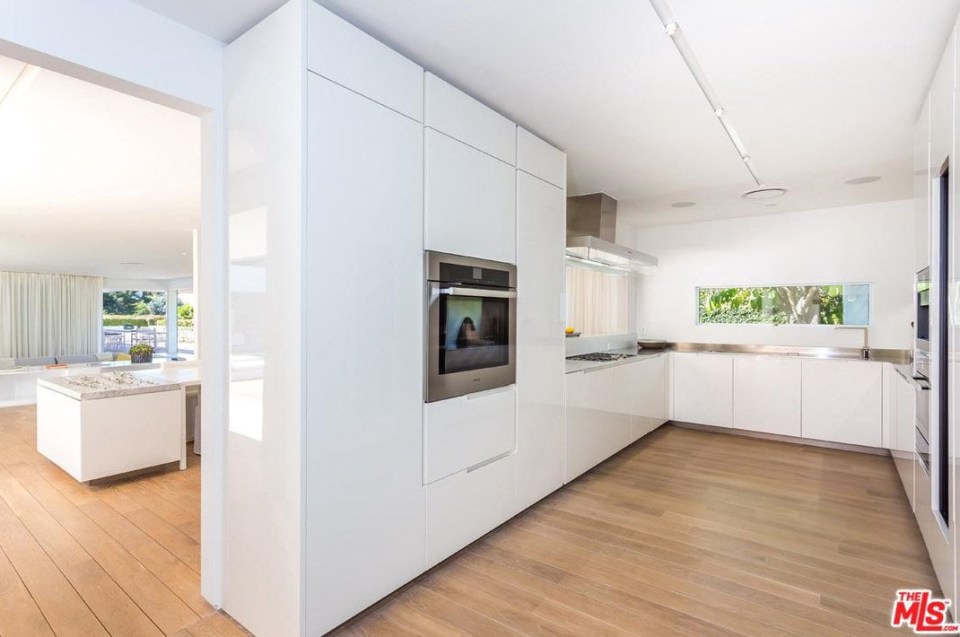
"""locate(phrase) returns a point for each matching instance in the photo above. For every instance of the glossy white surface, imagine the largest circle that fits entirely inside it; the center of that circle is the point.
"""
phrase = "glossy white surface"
(453, 112)
(364, 499)
(470, 201)
(91, 439)
(599, 422)
(541, 234)
(346, 55)
(647, 382)
(766, 394)
(904, 434)
(463, 432)
(466, 505)
(264, 93)
(703, 389)
(540, 159)
(842, 401)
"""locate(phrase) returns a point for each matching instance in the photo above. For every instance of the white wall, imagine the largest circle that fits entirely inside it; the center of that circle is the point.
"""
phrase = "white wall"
(855, 244)
(123, 46)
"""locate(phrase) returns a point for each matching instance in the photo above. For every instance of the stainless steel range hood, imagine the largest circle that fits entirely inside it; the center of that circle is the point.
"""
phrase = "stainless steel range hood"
(591, 235)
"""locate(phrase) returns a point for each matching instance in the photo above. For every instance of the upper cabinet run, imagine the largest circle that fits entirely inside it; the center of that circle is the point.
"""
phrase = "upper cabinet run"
(346, 55)
(538, 158)
(454, 113)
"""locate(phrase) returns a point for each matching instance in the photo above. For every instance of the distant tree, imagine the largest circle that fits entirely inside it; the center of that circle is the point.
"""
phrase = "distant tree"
(133, 302)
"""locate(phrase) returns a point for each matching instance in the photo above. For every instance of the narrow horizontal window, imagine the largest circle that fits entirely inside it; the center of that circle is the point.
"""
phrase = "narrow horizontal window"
(824, 304)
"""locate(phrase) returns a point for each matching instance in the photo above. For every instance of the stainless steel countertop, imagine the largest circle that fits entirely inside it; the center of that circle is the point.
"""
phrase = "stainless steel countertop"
(898, 357)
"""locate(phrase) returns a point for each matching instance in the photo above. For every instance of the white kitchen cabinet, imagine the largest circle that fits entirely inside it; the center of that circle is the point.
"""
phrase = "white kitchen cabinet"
(363, 487)
(766, 394)
(599, 422)
(541, 233)
(471, 206)
(466, 505)
(465, 431)
(346, 55)
(540, 159)
(456, 114)
(645, 382)
(703, 388)
(841, 401)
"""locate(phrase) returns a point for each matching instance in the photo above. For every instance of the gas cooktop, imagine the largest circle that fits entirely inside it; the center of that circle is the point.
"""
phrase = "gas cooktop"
(600, 356)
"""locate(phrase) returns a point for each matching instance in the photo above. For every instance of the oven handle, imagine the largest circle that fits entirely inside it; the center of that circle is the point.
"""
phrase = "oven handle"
(495, 294)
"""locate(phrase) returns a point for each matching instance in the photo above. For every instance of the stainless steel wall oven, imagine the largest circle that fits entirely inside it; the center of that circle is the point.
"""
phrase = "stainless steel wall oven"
(471, 317)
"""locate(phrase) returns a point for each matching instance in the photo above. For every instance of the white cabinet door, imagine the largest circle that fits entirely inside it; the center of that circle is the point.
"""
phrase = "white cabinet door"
(541, 234)
(598, 423)
(540, 159)
(842, 401)
(453, 112)
(646, 383)
(766, 394)
(471, 206)
(703, 389)
(363, 367)
(904, 435)
(468, 430)
(343, 53)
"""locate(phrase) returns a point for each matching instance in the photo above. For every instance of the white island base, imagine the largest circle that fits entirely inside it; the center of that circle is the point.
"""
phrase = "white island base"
(91, 439)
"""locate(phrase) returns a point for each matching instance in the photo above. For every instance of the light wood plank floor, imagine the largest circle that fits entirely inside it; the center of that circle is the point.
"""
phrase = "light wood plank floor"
(686, 533)
(121, 558)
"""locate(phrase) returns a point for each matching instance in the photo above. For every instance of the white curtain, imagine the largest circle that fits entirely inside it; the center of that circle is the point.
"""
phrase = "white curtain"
(49, 314)
(597, 301)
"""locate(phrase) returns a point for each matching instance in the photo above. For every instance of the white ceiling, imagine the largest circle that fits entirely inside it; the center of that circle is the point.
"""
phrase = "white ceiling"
(821, 91)
(91, 178)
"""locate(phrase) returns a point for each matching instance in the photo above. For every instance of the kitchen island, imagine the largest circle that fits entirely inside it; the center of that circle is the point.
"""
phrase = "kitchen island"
(96, 426)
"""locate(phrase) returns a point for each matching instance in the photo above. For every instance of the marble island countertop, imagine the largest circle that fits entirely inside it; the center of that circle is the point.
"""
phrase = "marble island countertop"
(108, 385)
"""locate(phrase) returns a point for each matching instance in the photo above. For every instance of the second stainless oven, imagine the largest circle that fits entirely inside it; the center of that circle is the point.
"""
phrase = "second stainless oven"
(471, 325)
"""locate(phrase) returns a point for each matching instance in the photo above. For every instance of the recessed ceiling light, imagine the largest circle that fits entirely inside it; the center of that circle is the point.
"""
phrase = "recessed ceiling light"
(683, 204)
(862, 180)
(764, 193)
(130, 263)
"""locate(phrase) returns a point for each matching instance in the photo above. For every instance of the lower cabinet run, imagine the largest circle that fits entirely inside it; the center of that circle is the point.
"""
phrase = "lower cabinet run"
(610, 407)
(843, 401)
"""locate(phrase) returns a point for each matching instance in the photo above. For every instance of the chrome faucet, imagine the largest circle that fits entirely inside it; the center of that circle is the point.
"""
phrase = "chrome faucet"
(865, 350)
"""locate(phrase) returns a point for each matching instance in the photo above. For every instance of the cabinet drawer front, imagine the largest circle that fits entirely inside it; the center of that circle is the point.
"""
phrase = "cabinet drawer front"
(540, 159)
(453, 112)
(468, 430)
(464, 506)
(340, 52)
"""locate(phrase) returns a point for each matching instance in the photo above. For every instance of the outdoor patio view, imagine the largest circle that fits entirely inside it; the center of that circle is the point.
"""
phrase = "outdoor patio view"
(132, 317)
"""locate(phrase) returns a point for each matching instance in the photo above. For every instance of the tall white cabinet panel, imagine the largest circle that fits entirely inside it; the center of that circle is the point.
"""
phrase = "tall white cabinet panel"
(451, 111)
(647, 385)
(365, 504)
(471, 205)
(541, 232)
(921, 186)
(766, 394)
(346, 55)
(842, 401)
(468, 430)
(540, 159)
(599, 422)
(703, 389)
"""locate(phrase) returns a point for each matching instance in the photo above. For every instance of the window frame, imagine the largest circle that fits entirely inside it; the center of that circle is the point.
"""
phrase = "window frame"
(870, 304)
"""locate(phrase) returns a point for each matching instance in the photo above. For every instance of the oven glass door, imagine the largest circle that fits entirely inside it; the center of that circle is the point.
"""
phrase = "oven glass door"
(472, 340)
(474, 332)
